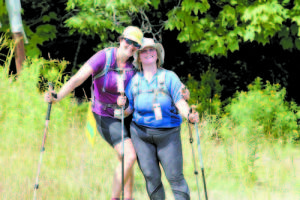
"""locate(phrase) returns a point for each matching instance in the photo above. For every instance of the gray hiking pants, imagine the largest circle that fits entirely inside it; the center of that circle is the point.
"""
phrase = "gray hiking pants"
(154, 146)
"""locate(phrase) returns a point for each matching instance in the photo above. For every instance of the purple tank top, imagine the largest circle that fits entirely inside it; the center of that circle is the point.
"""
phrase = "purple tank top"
(110, 95)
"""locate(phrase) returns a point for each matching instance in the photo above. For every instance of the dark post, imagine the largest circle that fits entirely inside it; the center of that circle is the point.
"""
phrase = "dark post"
(19, 50)
(14, 11)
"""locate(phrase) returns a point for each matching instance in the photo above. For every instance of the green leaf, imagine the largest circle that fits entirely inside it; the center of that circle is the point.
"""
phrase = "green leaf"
(297, 43)
(284, 32)
(249, 34)
(46, 18)
(294, 29)
(233, 45)
(287, 43)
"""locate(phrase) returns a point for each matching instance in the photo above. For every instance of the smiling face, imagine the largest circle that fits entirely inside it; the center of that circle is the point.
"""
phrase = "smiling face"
(148, 56)
(128, 47)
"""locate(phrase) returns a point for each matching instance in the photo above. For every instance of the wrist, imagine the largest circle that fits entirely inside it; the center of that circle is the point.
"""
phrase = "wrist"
(188, 118)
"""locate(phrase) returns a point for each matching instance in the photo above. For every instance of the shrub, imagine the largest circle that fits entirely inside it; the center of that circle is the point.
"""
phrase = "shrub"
(206, 93)
(264, 110)
(22, 107)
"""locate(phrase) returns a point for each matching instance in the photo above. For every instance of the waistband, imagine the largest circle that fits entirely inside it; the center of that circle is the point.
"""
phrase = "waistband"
(157, 131)
(106, 105)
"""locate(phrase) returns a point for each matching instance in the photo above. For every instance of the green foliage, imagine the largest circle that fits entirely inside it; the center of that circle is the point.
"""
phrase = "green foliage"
(2, 9)
(7, 44)
(206, 93)
(216, 27)
(4, 21)
(38, 30)
(102, 17)
(22, 105)
(42, 34)
(263, 111)
(48, 70)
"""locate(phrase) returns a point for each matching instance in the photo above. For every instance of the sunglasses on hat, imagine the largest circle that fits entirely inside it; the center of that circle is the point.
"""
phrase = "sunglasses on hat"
(131, 42)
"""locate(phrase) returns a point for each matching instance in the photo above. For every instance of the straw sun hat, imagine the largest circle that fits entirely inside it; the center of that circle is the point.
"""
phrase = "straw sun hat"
(148, 42)
(133, 33)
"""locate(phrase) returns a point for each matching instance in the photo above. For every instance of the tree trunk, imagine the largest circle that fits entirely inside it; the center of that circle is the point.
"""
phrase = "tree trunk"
(19, 51)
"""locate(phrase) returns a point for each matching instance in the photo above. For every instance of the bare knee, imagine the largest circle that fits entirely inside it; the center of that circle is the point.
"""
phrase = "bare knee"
(130, 157)
(129, 152)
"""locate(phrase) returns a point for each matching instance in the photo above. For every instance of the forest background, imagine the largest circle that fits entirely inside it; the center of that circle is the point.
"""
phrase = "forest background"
(240, 40)
(238, 58)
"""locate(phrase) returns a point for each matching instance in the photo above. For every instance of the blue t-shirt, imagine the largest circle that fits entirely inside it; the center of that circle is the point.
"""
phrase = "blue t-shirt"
(141, 102)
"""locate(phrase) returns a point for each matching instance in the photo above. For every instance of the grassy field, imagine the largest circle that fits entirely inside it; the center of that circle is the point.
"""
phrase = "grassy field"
(72, 169)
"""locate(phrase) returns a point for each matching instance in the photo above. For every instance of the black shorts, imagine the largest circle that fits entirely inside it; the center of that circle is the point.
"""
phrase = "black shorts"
(111, 129)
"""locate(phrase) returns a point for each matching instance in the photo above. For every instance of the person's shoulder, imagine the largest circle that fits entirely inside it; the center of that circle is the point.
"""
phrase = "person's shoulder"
(136, 76)
(106, 50)
(169, 73)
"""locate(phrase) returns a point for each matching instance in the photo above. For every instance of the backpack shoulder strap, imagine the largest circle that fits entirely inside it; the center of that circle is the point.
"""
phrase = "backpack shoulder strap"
(135, 85)
(108, 55)
(161, 79)
(108, 58)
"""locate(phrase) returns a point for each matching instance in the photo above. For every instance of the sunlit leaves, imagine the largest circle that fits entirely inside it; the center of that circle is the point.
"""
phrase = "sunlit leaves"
(155, 3)
(264, 106)
(42, 34)
(237, 21)
(97, 16)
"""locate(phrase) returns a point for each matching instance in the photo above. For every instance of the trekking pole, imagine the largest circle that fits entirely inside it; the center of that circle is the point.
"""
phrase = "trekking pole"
(194, 159)
(36, 186)
(193, 152)
(200, 154)
(120, 85)
(122, 153)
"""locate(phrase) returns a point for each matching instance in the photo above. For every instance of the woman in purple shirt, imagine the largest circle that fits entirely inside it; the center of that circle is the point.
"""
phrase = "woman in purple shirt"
(106, 95)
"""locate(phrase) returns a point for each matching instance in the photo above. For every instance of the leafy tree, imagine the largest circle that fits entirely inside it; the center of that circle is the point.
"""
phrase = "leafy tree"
(206, 93)
(216, 27)
(237, 29)
(36, 24)
(103, 18)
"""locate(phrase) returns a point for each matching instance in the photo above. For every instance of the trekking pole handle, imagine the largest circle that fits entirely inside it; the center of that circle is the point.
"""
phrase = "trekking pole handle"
(50, 103)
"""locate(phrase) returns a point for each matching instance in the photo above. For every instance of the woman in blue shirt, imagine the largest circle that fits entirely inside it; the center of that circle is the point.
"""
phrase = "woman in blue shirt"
(155, 98)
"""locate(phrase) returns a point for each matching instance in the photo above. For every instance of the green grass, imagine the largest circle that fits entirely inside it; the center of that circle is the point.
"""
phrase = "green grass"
(72, 169)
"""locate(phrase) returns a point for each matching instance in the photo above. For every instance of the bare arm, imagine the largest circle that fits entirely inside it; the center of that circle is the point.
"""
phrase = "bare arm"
(184, 110)
(84, 72)
(185, 92)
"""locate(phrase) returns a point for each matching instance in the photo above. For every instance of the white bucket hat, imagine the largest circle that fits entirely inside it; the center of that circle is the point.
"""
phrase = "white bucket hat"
(149, 42)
